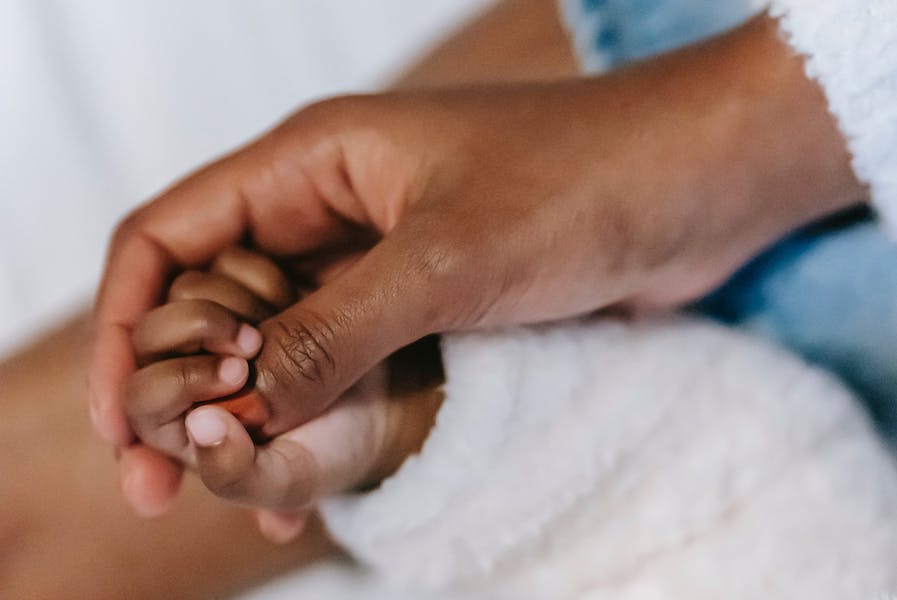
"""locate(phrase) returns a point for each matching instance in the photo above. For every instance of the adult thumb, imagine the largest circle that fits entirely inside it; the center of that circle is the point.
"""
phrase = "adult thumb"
(314, 351)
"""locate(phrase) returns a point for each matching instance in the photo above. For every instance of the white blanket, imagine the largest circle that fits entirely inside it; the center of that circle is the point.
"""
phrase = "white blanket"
(661, 459)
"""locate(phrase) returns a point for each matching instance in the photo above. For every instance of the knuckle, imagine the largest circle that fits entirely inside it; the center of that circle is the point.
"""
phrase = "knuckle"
(226, 478)
(299, 352)
(127, 228)
(441, 266)
(325, 115)
(331, 107)
(186, 376)
(184, 285)
(439, 258)
(206, 317)
(437, 262)
(202, 325)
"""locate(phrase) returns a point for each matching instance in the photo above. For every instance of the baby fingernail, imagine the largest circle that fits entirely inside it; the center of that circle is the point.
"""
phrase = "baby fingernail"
(233, 370)
(249, 339)
(206, 427)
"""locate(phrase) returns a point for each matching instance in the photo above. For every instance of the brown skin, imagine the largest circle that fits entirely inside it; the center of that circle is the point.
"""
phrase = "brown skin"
(516, 41)
(210, 537)
(196, 350)
(486, 206)
(65, 531)
(181, 346)
(50, 453)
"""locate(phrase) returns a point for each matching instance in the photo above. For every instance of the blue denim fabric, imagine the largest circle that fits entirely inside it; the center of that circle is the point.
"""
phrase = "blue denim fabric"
(622, 31)
(829, 293)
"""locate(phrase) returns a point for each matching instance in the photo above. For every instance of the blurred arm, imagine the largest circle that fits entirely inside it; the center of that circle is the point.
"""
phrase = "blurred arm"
(516, 40)
(64, 530)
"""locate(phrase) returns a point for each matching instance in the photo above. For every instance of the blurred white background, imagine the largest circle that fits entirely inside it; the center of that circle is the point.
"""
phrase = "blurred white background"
(103, 103)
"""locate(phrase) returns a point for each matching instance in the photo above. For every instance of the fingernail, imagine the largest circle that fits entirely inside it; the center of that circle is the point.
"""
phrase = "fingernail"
(249, 339)
(206, 427)
(233, 370)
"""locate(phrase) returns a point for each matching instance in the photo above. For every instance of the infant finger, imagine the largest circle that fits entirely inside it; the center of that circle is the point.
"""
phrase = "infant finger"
(196, 285)
(343, 449)
(282, 528)
(257, 273)
(281, 475)
(150, 480)
(158, 395)
(188, 326)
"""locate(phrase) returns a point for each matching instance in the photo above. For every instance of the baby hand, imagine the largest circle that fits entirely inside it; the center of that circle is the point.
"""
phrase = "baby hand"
(195, 349)
(362, 438)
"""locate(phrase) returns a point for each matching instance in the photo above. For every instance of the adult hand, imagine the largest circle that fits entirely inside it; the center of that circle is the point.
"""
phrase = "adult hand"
(443, 210)
(194, 350)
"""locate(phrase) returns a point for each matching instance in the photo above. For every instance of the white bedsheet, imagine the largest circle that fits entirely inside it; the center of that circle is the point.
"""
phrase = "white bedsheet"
(103, 103)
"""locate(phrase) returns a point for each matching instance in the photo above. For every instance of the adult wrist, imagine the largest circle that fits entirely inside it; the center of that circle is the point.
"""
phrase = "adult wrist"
(743, 148)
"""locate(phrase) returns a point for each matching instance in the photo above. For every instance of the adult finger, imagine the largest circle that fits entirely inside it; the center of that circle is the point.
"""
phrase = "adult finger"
(260, 192)
(410, 285)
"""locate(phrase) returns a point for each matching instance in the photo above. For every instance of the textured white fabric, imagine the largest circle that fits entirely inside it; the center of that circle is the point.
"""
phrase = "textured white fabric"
(851, 49)
(653, 460)
(660, 460)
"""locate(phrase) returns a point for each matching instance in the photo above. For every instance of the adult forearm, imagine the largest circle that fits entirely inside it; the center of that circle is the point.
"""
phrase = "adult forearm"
(786, 159)
(739, 140)
(745, 144)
